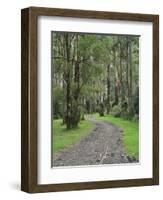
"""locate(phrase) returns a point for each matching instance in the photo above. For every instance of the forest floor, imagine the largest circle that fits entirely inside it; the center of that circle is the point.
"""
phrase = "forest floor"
(104, 145)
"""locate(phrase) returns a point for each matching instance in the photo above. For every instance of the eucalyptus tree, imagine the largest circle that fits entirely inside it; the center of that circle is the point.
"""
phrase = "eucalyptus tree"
(94, 73)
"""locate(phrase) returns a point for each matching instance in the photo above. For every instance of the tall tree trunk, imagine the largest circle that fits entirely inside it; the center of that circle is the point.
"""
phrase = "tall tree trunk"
(68, 112)
(122, 90)
(64, 94)
(75, 112)
(129, 77)
(68, 100)
(130, 84)
(127, 74)
(108, 88)
(116, 85)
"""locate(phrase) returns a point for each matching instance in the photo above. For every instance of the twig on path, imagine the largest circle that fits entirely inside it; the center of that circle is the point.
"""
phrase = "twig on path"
(104, 156)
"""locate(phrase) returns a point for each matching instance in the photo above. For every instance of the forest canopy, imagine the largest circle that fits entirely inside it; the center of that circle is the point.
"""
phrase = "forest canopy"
(94, 73)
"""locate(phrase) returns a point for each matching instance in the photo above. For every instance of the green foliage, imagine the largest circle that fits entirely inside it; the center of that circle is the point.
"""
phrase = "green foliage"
(131, 133)
(58, 100)
(63, 138)
(136, 101)
(116, 111)
(125, 115)
(136, 118)
(101, 109)
(82, 77)
(82, 112)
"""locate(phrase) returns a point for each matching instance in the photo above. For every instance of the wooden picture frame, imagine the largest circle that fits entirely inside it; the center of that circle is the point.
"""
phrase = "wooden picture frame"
(29, 87)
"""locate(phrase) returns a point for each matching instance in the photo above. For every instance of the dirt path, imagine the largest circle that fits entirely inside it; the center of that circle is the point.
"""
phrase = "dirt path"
(103, 146)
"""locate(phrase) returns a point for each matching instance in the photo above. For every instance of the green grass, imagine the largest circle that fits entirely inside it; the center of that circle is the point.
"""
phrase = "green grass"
(131, 133)
(63, 138)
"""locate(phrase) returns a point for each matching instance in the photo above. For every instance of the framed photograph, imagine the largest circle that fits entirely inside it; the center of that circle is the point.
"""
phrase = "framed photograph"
(90, 99)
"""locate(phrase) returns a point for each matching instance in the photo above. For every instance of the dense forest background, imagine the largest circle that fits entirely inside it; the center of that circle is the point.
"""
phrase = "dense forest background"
(94, 73)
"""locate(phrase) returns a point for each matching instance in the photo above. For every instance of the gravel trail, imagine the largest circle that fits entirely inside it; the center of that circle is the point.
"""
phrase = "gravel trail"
(104, 145)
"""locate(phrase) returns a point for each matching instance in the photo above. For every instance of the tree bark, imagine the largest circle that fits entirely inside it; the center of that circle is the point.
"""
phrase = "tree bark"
(68, 103)
(116, 85)
(108, 88)
(130, 83)
(129, 76)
